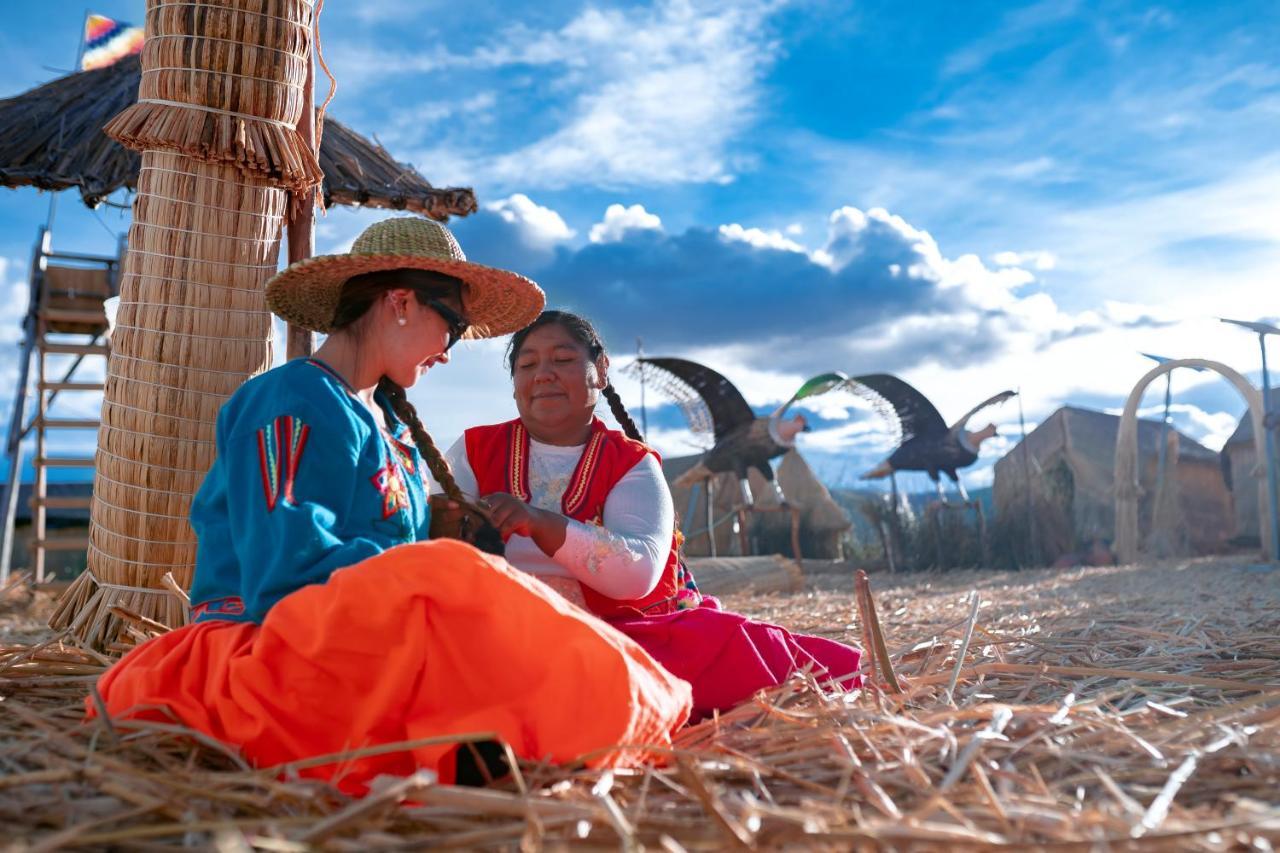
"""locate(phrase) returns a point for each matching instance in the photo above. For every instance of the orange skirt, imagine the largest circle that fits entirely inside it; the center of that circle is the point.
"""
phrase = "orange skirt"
(425, 640)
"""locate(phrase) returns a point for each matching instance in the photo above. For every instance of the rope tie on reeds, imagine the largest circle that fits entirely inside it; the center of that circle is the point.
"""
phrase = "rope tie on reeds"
(219, 111)
(155, 414)
(190, 203)
(145, 590)
(123, 357)
(168, 334)
(136, 487)
(149, 540)
(198, 37)
(168, 564)
(155, 7)
(241, 182)
(135, 431)
(191, 260)
(152, 467)
(150, 513)
(175, 229)
(219, 73)
(162, 280)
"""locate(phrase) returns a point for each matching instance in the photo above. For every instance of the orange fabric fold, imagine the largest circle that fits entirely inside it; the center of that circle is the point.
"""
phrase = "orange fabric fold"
(424, 640)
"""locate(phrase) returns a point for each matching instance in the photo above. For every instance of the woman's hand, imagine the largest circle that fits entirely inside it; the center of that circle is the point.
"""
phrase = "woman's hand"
(513, 516)
(510, 514)
(467, 522)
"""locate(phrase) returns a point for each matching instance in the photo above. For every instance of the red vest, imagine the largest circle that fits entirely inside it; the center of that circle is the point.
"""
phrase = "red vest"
(499, 456)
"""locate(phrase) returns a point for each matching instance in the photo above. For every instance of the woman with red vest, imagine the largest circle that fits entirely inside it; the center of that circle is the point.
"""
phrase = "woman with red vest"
(587, 510)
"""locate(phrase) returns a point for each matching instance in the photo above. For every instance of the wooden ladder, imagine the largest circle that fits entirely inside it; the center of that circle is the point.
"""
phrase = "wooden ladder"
(65, 323)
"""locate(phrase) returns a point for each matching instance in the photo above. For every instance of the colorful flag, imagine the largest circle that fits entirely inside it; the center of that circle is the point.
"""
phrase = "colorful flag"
(107, 41)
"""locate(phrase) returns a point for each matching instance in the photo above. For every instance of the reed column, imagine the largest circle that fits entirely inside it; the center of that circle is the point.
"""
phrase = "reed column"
(222, 91)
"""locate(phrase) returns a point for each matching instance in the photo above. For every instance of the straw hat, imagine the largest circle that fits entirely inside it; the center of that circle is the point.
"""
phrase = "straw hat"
(496, 302)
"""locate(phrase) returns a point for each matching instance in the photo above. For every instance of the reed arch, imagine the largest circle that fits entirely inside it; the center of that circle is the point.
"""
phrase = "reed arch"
(1128, 488)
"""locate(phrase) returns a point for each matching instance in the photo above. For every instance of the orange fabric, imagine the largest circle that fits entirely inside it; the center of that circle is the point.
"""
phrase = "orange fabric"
(429, 639)
(499, 457)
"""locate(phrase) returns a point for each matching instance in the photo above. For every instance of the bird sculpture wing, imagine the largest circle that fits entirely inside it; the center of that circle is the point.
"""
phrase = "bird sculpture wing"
(819, 384)
(999, 398)
(908, 412)
(709, 401)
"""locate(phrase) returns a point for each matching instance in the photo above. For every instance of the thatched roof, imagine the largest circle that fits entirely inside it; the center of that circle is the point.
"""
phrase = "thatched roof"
(53, 140)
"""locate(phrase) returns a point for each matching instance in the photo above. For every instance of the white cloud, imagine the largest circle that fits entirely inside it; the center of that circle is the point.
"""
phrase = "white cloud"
(759, 238)
(1212, 429)
(1040, 261)
(542, 226)
(1019, 27)
(878, 294)
(667, 88)
(407, 124)
(652, 94)
(619, 221)
(15, 294)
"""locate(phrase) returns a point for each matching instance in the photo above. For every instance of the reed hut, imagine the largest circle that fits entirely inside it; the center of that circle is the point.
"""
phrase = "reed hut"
(822, 522)
(1069, 463)
(1242, 469)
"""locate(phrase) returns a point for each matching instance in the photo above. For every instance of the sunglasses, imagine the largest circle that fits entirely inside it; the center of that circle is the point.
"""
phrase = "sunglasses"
(457, 324)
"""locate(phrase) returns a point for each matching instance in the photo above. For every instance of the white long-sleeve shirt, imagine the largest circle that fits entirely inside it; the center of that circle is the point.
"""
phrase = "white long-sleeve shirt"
(625, 558)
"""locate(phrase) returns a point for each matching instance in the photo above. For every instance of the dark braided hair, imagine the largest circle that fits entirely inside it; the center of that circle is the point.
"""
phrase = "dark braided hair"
(358, 295)
(581, 330)
(486, 536)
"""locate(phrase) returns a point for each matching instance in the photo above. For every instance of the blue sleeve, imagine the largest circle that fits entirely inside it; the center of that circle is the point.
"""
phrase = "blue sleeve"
(291, 480)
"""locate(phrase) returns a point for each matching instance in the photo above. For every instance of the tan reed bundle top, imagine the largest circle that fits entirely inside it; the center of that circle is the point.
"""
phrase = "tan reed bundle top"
(223, 82)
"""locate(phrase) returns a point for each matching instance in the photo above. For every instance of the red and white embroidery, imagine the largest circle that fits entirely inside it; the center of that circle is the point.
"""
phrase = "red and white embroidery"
(389, 483)
(280, 446)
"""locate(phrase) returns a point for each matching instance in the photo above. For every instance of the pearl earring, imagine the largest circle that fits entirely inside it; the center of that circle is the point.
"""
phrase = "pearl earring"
(401, 320)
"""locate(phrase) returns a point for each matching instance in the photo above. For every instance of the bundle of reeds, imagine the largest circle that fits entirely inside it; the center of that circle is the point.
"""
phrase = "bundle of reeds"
(214, 122)
(192, 327)
(223, 81)
(1117, 708)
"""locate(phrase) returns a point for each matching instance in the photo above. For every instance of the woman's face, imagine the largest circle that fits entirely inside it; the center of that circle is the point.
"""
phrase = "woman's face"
(411, 349)
(556, 382)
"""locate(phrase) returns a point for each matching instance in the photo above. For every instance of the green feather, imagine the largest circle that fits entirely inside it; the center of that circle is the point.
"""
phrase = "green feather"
(820, 385)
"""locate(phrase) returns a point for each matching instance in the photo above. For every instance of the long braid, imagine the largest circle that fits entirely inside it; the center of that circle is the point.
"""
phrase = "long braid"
(620, 413)
(486, 538)
(436, 463)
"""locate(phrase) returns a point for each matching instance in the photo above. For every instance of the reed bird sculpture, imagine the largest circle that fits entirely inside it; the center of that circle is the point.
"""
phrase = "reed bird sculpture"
(739, 439)
(924, 441)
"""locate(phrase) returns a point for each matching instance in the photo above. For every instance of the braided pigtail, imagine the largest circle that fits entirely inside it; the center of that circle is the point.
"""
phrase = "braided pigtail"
(486, 538)
(436, 463)
(620, 413)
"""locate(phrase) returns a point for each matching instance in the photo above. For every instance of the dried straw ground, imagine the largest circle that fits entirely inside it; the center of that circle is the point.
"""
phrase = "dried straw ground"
(1110, 708)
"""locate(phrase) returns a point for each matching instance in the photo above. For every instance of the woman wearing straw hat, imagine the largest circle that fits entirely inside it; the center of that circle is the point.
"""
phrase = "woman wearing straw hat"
(587, 509)
(319, 469)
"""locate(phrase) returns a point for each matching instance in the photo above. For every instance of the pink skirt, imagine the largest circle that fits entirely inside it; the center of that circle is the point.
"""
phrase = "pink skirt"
(728, 657)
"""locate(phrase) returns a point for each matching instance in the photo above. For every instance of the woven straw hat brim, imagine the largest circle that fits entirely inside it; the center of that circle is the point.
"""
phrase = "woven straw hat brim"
(496, 302)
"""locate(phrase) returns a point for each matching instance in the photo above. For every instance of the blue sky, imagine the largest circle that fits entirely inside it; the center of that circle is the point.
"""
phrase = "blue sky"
(975, 196)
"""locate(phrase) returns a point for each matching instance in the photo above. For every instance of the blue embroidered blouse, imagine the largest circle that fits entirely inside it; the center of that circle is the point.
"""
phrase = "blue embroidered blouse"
(304, 483)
